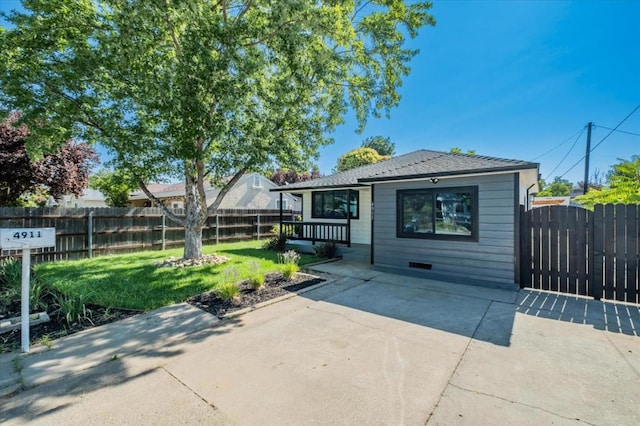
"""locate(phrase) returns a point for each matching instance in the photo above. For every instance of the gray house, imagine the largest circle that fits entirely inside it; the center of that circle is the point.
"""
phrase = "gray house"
(426, 212)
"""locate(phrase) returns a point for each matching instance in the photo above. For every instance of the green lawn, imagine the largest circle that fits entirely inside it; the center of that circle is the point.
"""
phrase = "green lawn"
(132, 281)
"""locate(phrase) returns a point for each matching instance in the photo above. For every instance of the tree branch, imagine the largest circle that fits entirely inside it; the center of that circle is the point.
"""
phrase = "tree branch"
(272, 35)
(161, 204)
(226, 188)
(174, 37)
(244, 10)
(90, 121)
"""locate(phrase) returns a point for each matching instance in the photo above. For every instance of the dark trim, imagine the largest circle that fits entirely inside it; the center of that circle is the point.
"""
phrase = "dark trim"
(348, 216)
(318, 188)
(460, 173)
(373, 188)
(400, 233)
(516, 227)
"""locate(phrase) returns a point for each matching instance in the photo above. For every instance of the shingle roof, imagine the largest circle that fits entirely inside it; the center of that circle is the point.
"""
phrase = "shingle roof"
(417, 164)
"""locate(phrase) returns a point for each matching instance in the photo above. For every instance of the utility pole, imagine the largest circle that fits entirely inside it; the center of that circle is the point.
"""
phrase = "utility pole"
(585, 187)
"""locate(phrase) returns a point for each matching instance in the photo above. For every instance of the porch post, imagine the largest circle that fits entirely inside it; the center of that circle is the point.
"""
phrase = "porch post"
(348, 218)
(281, 230)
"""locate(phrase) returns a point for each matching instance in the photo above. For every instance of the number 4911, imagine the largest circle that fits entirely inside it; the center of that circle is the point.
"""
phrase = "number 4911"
(25, 234)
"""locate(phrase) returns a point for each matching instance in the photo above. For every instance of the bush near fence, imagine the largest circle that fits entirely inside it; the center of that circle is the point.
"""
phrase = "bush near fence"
(86, 232)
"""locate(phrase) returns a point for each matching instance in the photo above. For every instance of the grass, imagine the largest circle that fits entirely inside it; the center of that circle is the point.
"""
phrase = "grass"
(132, 281)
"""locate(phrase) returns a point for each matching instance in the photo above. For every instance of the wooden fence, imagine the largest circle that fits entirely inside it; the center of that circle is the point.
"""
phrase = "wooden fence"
(87, 232)
(576, 251)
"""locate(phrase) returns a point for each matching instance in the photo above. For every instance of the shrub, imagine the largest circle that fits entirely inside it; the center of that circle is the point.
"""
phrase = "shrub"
(327, 250)
(289, 270)
(227, 291)
(73, 308)
(10, 280)
(256, 281)
(289, 259)
(289, 256)
(37, 293)
(276, 243)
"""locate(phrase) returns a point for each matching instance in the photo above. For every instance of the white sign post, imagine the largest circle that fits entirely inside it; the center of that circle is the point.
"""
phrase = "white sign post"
(26, 239)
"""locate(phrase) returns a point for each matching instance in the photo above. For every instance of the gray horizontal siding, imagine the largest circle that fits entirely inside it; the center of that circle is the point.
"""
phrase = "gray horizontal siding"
(491, 258)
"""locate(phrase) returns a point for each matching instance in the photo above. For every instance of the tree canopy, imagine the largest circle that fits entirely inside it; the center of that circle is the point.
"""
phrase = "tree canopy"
(558, 188)
(623, 185)
(65, 171)
(281, 177)
(204, 89)
(357, 158)
(382, 145)
(116, 186)
(456, 150)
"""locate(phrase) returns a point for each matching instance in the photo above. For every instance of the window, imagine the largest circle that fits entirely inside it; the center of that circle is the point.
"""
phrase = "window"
(256, 181)
(284, 204)
(448, 213)
(334, 205)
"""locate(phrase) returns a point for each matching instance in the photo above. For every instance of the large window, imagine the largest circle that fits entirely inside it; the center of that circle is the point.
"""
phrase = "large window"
(447, 213)
(334, 204)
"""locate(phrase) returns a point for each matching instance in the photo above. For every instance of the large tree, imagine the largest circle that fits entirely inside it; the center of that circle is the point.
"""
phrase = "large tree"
(357, 158)
(383, 145)
(558, 188)
(623, 185)
(65, 171)
(116, 185)
(204, 89)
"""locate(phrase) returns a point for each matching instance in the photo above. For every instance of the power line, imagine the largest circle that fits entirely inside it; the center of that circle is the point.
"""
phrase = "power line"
(566, 155)
(559, 145)
(619, 131)
(615, 128)
(601, 140)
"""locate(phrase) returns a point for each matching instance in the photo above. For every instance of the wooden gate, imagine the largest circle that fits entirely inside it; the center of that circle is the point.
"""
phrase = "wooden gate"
(572, 250)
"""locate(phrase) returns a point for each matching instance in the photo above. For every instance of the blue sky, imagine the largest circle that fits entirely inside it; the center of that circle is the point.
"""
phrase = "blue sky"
(515, 79)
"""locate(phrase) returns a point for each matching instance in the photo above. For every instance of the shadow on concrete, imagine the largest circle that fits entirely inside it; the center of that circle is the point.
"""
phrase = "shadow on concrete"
(446, 307)
(479, 312)
(601, 315)
(103, 356)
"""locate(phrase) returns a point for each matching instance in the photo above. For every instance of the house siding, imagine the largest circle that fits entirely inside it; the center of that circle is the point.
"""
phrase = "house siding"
(360, 228)
(491, 258)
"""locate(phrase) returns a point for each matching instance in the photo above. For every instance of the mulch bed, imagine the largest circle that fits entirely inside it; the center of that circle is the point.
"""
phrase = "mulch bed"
(58, 327)
(275, 285)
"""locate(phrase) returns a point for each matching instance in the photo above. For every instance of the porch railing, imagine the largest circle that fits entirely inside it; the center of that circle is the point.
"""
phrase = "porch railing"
(317, 231)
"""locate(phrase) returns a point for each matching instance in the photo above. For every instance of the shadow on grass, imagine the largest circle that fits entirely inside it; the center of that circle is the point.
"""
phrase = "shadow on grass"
(268, 255)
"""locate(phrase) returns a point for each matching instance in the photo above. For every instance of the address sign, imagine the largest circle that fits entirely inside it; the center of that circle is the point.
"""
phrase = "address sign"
(22, 238)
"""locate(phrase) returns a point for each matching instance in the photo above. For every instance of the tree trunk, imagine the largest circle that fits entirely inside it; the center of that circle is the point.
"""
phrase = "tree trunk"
(192, 240)
(195, 215)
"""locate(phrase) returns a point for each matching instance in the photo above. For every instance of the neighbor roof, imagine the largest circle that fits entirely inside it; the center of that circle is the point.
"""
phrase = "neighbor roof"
(414, 165)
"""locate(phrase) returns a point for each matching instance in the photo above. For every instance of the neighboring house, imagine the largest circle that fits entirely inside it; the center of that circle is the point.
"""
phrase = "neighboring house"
(89, 198)
(252, 191)
(435, 213)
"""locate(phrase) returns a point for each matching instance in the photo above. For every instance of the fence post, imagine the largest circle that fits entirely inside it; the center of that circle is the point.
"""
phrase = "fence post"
(258, 226)
(90, 233)
(217, 229)
(164, 231)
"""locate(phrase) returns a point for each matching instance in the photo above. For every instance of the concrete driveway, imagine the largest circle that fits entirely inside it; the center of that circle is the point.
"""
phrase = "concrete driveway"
(375, 348)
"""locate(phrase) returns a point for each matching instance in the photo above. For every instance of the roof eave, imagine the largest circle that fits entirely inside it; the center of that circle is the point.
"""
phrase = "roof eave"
(449, 173)
(307, 188)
